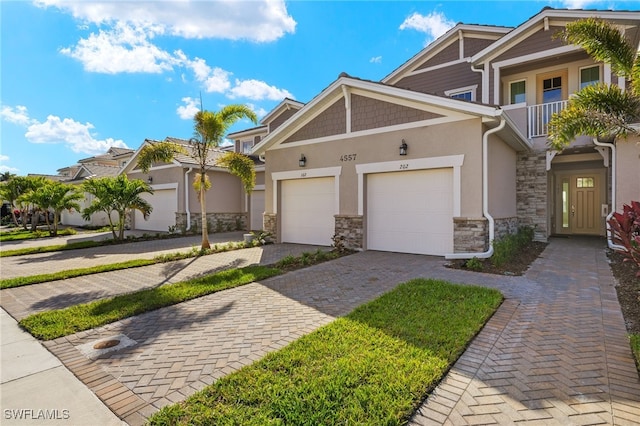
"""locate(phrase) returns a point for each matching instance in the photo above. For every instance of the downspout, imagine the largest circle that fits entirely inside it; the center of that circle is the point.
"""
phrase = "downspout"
(485, 197)
(186, 198)
(612, 147)
(485, 94)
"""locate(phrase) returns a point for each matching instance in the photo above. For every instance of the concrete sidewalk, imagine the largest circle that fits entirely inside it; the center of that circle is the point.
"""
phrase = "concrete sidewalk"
(45, 263)
(36, 389)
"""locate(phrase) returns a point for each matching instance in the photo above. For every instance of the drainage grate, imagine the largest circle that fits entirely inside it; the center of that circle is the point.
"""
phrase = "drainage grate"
(96, 348)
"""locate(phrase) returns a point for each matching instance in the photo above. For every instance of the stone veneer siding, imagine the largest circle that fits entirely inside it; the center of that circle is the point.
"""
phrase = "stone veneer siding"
(217, 222)
(531, 192)
(351, 228)
(470, 235)
(505, 226)
(270, 224)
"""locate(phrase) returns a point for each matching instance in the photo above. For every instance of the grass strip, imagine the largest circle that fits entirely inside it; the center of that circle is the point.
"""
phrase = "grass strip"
(635, 348)
(49, 249)
(72, 273)
(53, 324)
(31, 235)
(373, 367)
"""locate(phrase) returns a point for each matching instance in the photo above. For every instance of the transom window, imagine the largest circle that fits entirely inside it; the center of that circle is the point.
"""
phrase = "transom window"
(517, 92)
(589, 76)
(465, 93)
(585, 182)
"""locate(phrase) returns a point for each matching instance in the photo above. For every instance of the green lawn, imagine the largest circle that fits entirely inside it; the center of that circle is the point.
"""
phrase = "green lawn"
(373, 367)
(635, 347)
(21, 234)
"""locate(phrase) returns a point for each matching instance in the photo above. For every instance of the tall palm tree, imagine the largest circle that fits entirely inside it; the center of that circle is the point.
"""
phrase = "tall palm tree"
(117, 194)
(602, 110)
(210, 128)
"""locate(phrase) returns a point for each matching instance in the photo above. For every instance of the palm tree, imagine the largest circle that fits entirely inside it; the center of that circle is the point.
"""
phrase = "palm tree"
(25, 187)
(210, 128)
(11, 190)
(56, 196)
(117, 194)
(603, 111)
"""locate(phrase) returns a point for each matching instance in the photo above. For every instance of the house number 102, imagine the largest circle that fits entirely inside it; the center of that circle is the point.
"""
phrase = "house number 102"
(404, 166)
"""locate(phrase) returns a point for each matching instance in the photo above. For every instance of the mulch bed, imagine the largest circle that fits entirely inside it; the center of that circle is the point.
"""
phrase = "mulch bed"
(516, 266)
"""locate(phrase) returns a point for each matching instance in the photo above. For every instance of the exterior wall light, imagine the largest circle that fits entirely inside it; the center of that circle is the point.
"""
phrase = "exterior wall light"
(302, 161)
(150, 179)
(403, 148)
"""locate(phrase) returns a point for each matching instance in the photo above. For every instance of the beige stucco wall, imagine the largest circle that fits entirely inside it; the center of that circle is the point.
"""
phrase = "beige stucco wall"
(464, 137)
(226, 194)
(502, 179)
(628, 171)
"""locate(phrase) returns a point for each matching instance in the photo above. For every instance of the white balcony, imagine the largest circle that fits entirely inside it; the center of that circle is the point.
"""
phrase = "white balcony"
(538, 117)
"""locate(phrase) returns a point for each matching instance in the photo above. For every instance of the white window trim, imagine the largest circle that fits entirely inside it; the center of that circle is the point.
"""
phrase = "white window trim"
(447, 161)
(600, 73)
(308, 174)
(473, 89)
(525, 90)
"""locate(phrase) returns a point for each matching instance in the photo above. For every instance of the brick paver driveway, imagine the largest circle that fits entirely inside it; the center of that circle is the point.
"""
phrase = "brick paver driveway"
(556, 352)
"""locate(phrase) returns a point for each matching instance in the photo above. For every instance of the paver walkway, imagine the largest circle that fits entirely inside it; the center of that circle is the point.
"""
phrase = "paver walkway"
(556, 351)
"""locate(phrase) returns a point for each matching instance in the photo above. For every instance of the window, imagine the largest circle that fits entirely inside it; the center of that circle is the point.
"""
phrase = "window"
(585, 182)
(246, 147)
(517, 92)
(465, 93)
(551, 90)
(589, 76)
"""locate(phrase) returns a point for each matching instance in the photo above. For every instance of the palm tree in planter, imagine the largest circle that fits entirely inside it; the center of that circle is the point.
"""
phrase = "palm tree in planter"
(117, 194)
(210, 128)
(602, 110)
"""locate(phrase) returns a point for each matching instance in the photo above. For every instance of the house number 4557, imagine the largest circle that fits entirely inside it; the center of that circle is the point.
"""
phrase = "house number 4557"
(348, 157)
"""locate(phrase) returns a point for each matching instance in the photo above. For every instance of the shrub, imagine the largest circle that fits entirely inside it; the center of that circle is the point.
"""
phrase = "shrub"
(504, 248)
(625, 232)
(474, 264)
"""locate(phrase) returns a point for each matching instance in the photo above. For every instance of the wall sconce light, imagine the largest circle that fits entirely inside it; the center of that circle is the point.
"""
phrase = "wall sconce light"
(302, 161)
(403, 148)
(150, 179)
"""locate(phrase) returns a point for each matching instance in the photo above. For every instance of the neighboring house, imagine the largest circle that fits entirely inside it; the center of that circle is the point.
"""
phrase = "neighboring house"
(449, 151)
(175, 203)
(245, 140)
(108, 164)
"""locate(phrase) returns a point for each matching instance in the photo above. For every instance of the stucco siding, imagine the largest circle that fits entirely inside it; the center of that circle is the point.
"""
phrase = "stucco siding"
(330, 122)
(502, 179)
(628, 171)
(464, 137)
(438, 81)
(368, 113)
(225, 195)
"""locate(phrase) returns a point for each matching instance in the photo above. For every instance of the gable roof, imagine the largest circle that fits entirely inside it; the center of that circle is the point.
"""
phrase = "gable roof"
(546, 17)
(449, 107)
(442, 42)
(286, 104)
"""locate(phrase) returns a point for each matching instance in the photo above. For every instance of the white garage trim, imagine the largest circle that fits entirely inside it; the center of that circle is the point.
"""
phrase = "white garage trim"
(307, 174)
(454, 161)
(164, 186)
(165, 200)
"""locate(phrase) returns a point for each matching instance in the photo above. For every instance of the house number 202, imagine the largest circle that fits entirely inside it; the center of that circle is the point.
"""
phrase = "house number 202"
(404, 166)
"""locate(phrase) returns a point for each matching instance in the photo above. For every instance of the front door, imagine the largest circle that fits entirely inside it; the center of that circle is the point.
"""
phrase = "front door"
(578, 210)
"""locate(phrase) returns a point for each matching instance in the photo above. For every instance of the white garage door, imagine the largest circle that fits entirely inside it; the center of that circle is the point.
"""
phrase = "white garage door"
(165, 205)
(411, 212)
(257, 210)
(307, 209)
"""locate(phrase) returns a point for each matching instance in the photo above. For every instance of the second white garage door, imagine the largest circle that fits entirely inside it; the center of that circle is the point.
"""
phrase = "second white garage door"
(257, 209)
(165, 205)
(307, 210)
(411, 212)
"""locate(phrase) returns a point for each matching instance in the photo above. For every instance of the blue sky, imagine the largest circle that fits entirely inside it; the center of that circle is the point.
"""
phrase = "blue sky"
(80, 76)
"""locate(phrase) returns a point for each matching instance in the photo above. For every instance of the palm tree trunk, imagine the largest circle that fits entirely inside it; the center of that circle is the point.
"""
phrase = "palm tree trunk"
(203, 214)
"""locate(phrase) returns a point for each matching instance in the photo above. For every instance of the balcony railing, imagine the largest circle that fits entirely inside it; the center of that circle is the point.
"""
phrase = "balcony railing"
(538, 117)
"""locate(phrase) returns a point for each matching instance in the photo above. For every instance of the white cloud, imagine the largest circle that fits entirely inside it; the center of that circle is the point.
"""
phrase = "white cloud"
(257, 90)
(215, 80)
(258, 20)
(4, 157)
(75, 135)
(260, 112)
(189, 110)
(123, 48)
(434, 24)
(4, 167)
(376, 60)
(577, 4)
(17, 115)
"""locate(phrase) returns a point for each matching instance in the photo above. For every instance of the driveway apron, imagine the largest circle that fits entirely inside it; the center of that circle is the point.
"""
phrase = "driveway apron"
(556, 351)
